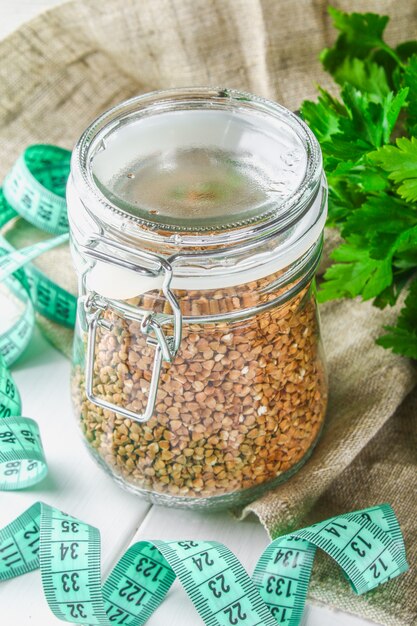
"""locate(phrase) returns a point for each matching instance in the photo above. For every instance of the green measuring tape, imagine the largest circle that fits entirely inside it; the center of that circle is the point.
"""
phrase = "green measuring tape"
(22, 462)
(35, 190)
(35, 187)
(367, 545)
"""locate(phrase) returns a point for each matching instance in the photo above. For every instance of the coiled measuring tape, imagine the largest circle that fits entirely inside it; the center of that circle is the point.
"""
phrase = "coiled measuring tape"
(35, 190)
(367, 545)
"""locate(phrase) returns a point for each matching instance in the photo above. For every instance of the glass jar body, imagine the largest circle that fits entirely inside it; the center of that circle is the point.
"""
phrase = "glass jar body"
(238, 410)
(196, 219)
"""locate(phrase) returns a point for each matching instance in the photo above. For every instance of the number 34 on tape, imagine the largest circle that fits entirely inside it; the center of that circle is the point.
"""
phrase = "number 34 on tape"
(367, 545)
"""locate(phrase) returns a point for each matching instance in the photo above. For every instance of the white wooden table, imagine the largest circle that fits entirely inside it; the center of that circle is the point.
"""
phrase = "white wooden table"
(77, 486)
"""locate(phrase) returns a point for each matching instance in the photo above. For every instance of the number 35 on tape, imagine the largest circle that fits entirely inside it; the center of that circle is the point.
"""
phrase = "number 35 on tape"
(367, 545)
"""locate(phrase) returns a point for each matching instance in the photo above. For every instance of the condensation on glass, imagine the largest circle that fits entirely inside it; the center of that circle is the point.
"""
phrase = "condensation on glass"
(196, 222)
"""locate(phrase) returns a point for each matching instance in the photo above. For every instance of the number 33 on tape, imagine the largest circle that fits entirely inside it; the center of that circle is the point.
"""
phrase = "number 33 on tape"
(367, 545)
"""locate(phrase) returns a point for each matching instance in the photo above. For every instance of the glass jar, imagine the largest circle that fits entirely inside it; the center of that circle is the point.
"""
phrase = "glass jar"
(196, 219)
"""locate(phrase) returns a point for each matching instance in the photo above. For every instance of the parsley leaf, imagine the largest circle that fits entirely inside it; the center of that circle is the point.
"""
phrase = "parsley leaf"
(364, 75)
(355, 273)
(323, 115)
(361, 175)
(402, 338)
(369, 118)
(410, 80)
(381, 213)
(361, 35)
(401, 163)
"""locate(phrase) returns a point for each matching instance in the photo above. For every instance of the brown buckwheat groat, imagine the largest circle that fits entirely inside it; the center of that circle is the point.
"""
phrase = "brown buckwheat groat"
(242, 403)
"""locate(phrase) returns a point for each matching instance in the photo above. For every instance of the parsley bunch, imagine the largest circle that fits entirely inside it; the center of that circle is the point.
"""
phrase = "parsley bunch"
(369, 144)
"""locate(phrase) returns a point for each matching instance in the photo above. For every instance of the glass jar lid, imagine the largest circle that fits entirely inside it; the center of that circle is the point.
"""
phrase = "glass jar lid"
(201, 164)
(207, 178)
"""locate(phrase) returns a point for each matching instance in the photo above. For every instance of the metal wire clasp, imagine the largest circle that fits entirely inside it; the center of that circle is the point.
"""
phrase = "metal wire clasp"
(151, 325)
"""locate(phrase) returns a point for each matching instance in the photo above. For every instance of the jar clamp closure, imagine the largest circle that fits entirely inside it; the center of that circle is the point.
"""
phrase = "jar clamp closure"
(191, 209)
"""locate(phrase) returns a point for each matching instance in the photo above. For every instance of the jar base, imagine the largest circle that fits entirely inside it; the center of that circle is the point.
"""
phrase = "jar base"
(212, 503)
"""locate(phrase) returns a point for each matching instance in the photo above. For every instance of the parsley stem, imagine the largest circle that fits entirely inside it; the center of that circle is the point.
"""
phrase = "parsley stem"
(392, 54)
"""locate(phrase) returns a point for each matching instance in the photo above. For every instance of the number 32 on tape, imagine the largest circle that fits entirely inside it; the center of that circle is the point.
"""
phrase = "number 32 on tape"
(367, 545)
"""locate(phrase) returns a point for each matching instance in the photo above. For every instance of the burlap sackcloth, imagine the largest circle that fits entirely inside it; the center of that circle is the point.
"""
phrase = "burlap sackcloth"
(66, 66)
